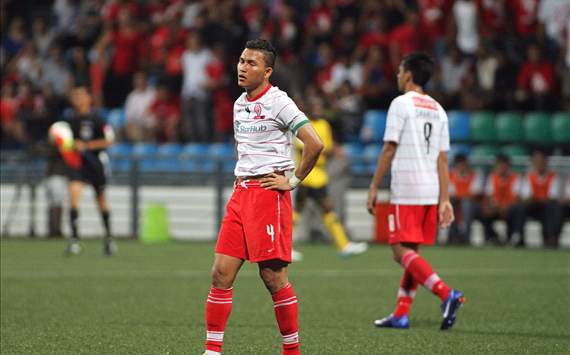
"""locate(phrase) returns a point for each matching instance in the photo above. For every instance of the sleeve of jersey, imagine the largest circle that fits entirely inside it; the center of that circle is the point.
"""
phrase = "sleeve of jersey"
(394, 122)
(288, 115)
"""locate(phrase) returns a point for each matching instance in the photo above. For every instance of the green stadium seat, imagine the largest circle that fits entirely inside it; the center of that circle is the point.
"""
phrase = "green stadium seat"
(482, 154)
(561, 127)
(519, 156)
(510, 127)
(483, 128)
(537, 128)
(514, 150)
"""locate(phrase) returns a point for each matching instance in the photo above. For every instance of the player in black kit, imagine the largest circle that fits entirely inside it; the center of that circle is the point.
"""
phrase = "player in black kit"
(92, 135)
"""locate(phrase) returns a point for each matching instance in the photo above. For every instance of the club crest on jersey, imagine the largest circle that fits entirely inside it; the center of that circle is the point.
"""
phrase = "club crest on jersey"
(257, 110)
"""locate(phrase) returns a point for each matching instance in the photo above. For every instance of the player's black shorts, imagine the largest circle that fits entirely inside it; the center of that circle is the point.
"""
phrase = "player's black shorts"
(92, 173)
(319, 195)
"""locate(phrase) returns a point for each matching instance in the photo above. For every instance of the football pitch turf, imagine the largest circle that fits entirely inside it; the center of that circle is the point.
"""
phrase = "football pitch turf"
(150, 300)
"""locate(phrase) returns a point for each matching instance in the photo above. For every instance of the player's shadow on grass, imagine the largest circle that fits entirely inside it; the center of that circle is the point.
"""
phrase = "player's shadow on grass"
(538, 335)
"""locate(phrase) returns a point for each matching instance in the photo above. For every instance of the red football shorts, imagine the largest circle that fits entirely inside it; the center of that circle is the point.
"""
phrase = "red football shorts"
(257, 225)
(412, 224)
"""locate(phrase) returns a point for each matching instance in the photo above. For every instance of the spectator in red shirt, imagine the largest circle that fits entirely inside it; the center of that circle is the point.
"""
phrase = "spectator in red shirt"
(433, 14)
(166, 114)
(526, 15)
(112, 9)
(11, 128)
(536, 82)
(406, 38)
(320, 22)
(492, 17)
(376, 33)
(128, 44)
(222, 103)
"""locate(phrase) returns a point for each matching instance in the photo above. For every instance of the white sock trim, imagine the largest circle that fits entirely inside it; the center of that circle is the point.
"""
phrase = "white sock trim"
(215, 336)
(431, 281)
(292, 338)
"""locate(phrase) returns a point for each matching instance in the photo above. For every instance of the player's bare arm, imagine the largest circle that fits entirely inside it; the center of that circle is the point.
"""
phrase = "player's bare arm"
(446, 216)
(99, 144)
(102, 143)
(312, 148)
(383, 165)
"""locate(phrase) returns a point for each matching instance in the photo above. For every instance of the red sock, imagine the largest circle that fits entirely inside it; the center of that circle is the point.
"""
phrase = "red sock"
(285, 305)
(218, 309)
(406, 294)
(423, 273)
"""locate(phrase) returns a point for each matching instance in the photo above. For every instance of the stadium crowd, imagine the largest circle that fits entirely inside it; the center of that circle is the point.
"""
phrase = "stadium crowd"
(171, 63)
(170, 67)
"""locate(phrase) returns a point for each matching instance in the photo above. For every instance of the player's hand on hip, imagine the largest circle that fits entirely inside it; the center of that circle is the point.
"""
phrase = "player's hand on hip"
(371, 203)
(275, 182)
(446, 216)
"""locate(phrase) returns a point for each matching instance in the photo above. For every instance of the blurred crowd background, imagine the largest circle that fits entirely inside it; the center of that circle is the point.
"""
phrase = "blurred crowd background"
(164, 70)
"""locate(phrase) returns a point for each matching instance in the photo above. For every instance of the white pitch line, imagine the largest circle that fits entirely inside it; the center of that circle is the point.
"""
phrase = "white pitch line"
(327, 273)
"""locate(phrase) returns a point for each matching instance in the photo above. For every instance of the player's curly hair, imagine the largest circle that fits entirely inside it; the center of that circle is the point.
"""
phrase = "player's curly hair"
(420, 65)
(269, 53)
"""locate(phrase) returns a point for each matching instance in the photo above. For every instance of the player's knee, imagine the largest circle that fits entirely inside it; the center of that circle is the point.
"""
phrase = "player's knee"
(397, 257)
(273, 281)
(221, 278)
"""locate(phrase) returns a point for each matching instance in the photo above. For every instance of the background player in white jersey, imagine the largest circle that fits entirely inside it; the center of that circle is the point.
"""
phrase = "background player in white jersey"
(258, 221)
(416, 142)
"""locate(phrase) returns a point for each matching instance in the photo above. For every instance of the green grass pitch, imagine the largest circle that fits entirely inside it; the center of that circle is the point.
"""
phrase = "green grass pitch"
(150, 300)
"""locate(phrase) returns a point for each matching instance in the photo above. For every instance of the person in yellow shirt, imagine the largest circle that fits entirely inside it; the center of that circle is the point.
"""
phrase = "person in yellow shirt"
(314, 187)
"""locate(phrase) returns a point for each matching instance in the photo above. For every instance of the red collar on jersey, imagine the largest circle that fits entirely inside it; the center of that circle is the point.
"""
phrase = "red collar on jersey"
(260, 94)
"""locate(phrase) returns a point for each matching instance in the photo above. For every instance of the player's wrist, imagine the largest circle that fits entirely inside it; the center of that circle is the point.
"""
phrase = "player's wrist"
(293, 181)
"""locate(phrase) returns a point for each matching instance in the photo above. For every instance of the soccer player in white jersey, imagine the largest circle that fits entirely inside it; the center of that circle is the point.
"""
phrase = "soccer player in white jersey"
(416, 142)
(257, 225)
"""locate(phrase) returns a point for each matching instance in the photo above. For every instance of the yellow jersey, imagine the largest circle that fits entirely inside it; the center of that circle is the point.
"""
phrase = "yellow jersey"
(318, 177)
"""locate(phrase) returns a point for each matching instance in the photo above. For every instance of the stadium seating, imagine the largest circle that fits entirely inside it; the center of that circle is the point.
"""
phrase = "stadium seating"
(224, 152)
(483, 153)
(561, 128)
(514, 150)
(537, 128)
(373, 126)
(354, 154)
(456, 149)
(480, 135)
(146, 152)
(510, 127)
(518, 155)
(116, 118)
(120, 154)
(459, 126)
(167, 158)
(482, 127)
(370, 154)
(193, 155)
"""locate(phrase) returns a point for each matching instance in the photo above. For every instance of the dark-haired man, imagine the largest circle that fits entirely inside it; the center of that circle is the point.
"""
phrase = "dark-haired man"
(465, 189)
(258, 221)
(540, 191)
(92, 135)
(416, 143)
(502, 201)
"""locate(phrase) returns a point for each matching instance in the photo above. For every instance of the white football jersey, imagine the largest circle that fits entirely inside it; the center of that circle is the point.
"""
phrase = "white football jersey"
(263, 131)
(418, 124)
